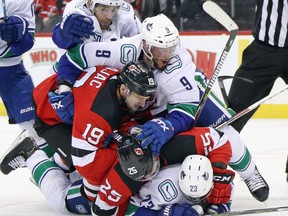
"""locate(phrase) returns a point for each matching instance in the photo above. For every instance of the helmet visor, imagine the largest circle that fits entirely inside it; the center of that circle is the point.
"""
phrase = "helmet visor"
(162, 54)
(154, 170)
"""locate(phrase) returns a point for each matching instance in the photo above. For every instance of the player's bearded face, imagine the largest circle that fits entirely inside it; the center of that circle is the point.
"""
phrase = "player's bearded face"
(135, 102)
(161, 56)
(105, 14)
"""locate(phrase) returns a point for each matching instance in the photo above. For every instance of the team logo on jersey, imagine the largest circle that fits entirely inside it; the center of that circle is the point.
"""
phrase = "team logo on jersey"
(149, 26)
(182, 174)
(168, 190)
(138, 151)
(206, 176)
(81, 209)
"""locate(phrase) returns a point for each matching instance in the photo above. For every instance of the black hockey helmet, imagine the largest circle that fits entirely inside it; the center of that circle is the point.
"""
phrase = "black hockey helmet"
(139, 78)
(137, 163)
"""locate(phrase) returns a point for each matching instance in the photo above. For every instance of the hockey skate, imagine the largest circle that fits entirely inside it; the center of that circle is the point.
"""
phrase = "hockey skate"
(257, 186)
(21, 149)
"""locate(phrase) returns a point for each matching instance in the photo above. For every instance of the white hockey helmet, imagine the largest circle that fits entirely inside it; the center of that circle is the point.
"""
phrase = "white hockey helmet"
(159, 31)
(196, 177)
(105, 2)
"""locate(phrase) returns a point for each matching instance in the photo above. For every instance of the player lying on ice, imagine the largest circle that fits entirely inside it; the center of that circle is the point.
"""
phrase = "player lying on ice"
(65, 194)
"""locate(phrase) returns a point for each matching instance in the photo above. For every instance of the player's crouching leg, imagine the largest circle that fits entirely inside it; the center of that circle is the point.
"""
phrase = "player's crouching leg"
(62, 195)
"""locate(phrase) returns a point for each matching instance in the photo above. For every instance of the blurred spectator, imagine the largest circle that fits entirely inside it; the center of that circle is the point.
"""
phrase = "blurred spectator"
(244, 14)
(48, 13)
(142, 8)
(61, 4)
(160, 6)
(148, 8)
(195, 18)
(190, 8)
(172, 9)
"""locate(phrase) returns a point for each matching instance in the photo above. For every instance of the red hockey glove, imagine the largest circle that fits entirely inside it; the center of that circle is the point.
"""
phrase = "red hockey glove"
(221, 193)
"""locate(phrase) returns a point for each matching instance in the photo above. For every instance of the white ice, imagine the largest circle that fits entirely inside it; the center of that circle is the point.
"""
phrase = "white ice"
(266, 139)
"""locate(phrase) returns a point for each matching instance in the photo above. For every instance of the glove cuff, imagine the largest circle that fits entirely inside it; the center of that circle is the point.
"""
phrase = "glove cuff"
(25, 23)
(63, 21)
(64, 82)
(223, 176)
(64, 88)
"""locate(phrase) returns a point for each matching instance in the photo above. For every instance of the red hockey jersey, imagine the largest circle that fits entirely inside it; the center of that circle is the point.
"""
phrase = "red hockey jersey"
(198, 140)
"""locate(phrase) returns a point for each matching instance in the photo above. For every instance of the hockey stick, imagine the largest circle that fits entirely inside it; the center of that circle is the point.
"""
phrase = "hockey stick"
(222, 17)
(222, 87)
(286, 171)
(4, 9)
(251, 107)
(256, 211)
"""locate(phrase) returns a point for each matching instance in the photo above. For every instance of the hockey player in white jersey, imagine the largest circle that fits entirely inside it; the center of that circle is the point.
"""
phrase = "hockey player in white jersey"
(17, 37)
(95, 20)
(178, 92)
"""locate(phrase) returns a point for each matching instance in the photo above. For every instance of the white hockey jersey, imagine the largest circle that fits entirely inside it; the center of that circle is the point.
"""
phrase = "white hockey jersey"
(162, 190)
(22, 8)
(124, 24)
(176, 84)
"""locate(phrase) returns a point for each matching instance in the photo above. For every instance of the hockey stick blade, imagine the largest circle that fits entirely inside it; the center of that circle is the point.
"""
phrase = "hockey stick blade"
(251, 107)
(256, 211)
(219, 15)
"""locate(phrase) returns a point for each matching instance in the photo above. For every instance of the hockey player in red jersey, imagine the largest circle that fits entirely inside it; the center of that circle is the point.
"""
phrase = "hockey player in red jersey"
(103, 100)
(101, 97)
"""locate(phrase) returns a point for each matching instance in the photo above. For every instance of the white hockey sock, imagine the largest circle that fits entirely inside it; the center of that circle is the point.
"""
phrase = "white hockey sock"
(51, 180)
(241, 160)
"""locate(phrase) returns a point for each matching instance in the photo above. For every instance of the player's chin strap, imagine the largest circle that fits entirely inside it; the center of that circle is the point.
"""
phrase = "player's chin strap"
(150, 57)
